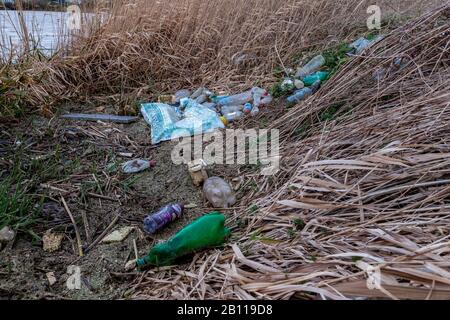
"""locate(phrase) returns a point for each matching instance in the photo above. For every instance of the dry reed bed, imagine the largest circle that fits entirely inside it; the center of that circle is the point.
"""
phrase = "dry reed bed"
(371, 188)
(148, 47)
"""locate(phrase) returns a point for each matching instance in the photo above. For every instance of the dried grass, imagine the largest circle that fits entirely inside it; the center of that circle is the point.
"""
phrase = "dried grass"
(368, 189)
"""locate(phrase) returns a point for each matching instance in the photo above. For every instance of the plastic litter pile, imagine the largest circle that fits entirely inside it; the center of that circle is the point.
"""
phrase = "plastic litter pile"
(186, 114)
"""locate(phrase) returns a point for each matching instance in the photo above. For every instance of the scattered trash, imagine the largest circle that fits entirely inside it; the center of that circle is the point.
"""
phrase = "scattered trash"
(237, 99)
(303, 94)
(190, 206)
(210, 105)
(180, 94)
(219, 192)
(51, 278)
(361, 44)
(167, 98)
(162, 217)
(100, 117)
(230, 109)
(248, 108)
(125, 154)
(233, 116)
(313, 65)
(7, 234)
(197, 170)
(299, 95)
(207, 231)
(167, 124)
(318, 75)
(51, 242)
(299, 84)
(137, 165)
(117, 235)
(287, 85)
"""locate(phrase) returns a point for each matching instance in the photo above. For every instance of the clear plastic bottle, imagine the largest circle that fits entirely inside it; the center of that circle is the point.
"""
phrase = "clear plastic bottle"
(237, 99)
(313, 65)
(219, 193)
(230, 109)
(162, 217)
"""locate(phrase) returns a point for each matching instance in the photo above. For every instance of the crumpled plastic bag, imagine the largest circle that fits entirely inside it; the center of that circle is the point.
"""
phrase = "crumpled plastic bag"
(168, 124)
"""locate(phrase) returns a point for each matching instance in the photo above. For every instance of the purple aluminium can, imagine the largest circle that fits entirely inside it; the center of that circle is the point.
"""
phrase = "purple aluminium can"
(162, 217)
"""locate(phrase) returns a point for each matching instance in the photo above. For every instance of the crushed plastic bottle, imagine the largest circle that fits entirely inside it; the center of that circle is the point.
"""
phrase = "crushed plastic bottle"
(162, 217)
(205, 232)
(180, 94)
(313, 65)
(319, 75)
(248, 108)
(219, 193)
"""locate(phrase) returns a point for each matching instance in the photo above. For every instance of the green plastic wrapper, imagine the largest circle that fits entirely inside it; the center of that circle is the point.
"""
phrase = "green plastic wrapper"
(207, 231)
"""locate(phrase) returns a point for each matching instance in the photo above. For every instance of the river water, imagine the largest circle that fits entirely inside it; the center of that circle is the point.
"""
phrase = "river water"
(45, 29)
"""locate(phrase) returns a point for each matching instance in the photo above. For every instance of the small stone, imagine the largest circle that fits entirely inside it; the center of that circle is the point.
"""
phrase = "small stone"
(7, 234)
(118, 235)
(52, 241)
(51, 278)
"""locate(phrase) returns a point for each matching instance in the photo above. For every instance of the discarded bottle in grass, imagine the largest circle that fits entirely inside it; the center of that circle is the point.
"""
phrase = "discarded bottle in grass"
(230, 109)
(287, 85)
(259, 95)
(233, 116)
(219, 193)
(162, 217)
(359, 45)
(137, 165)
(266, 100)
(197, 93)
(299, 84)
(254, 112)
(299, 95)
(202, 98)
(180, 94)
(248, 108)
(237, 99)
(315, 64)
(319, 75)
(205, 232)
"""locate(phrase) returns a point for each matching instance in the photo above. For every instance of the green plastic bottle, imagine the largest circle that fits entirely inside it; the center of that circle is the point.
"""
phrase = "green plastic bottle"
(207, 231)
(319, 75)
